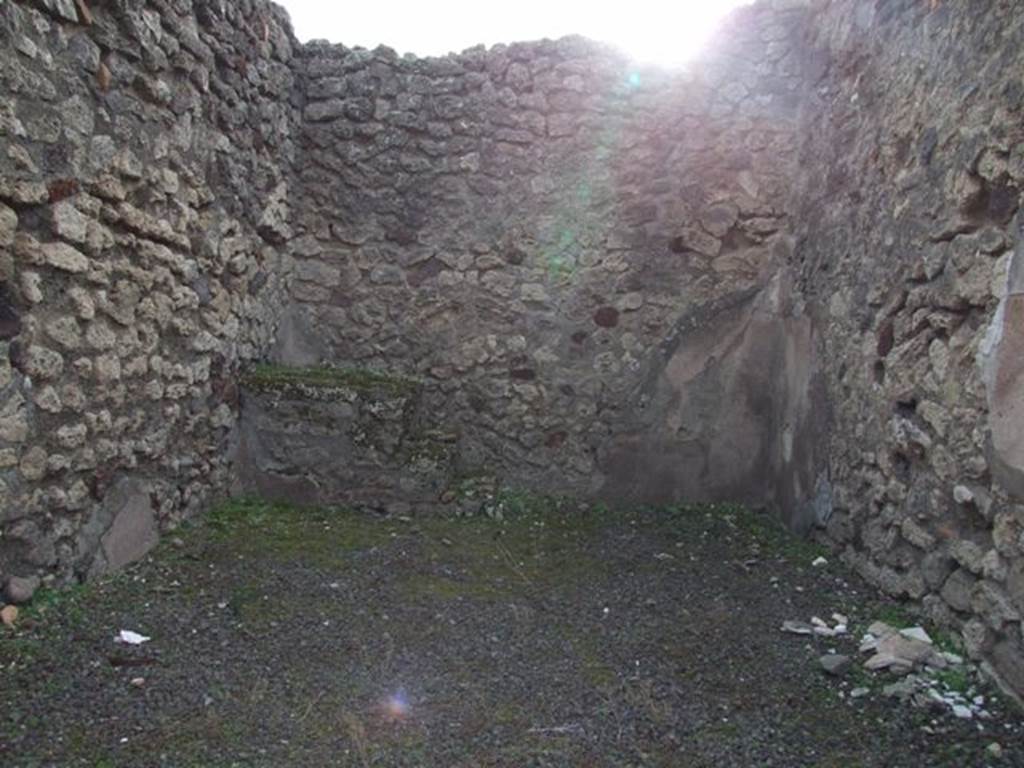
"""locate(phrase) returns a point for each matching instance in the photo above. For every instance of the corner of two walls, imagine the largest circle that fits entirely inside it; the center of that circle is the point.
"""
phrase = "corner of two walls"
(579, 258)
(732, 408)
(144, 181)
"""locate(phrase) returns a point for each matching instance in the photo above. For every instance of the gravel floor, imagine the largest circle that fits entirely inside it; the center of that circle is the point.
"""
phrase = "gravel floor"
(564, 637)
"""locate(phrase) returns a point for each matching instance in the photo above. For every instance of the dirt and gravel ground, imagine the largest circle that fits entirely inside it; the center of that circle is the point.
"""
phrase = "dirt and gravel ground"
(560, 637)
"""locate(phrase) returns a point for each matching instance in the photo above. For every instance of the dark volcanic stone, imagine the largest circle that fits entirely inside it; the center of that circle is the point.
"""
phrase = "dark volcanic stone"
(607, 317)
(10, 320)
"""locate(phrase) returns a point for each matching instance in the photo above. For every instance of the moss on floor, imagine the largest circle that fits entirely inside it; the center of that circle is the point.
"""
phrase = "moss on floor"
(286, 533)
(279, 633)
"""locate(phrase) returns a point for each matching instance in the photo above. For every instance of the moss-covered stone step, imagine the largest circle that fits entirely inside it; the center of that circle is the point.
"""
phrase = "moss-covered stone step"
(329, 435)
(267, 377)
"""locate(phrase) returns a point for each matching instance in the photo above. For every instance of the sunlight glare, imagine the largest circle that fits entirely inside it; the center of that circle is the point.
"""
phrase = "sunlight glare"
(649, 31)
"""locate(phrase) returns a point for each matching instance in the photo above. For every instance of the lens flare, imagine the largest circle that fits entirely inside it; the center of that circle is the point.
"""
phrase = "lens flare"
(649, 31)
(396, 706)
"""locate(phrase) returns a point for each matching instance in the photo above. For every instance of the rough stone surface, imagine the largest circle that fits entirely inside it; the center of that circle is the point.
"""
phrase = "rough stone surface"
(790, 275)
(134, 147)
(362, 444)
(909, 239)
(554, 241)
(835, 664)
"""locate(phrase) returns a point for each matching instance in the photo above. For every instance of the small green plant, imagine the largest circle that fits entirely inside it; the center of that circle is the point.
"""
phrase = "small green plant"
(513, 503)
(947, 641)
(896, 615)
(956, 679)
(325, 535)
(763, 531)
(49, 601)
(860, 677)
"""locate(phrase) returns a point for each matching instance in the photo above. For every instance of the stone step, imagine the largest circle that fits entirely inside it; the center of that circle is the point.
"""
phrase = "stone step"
(340, 436)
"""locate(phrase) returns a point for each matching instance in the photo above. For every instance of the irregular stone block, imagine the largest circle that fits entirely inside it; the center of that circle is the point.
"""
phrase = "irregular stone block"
(69, 223)
(129, 526)
(330, 436)
(21, 589)
(62, 256)
(958, 589)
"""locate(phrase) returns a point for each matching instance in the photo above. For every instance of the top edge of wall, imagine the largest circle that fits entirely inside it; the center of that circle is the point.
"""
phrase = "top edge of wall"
(572, 44)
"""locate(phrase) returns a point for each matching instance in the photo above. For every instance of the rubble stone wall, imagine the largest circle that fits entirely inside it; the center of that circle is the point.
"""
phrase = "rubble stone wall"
(538, 231)
(146, 155)
(909, 253)
(791, 275)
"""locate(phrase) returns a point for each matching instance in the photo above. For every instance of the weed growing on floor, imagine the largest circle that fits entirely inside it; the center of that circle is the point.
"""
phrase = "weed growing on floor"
(956, 679)
(946, 641)
(510, 503)
(896, 615)
(757, 528)
(288, 621)
(50, 601)
(859, 677)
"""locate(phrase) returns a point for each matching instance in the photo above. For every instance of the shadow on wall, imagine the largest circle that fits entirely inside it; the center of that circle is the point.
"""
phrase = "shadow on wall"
(732, 408)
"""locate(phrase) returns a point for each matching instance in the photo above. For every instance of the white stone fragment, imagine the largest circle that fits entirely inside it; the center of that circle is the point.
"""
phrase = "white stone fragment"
(916, 633)
(128, 637)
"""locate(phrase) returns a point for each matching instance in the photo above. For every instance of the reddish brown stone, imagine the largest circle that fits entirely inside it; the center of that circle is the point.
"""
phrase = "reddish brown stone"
(556, 439)
(886, 338)
(61, 189)
(607, 317)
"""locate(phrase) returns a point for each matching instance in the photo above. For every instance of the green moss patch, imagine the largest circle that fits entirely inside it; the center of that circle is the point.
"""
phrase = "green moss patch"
(269, 376)
(751, 528)
(288, 533)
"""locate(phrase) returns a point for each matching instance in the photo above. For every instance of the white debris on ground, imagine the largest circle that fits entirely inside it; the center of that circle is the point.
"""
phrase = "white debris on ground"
(818, 626)
(128, 637)
(903, 650)
(909, 650)
(925, 691)
(909, 653)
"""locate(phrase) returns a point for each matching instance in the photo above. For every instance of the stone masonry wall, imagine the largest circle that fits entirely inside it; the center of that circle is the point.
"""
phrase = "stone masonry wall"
(537, 231)
(146, 155)
(910, 253)
(791, 275)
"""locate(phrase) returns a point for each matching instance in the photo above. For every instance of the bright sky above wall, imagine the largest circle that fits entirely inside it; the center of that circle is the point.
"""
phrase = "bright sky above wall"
(665, 32)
